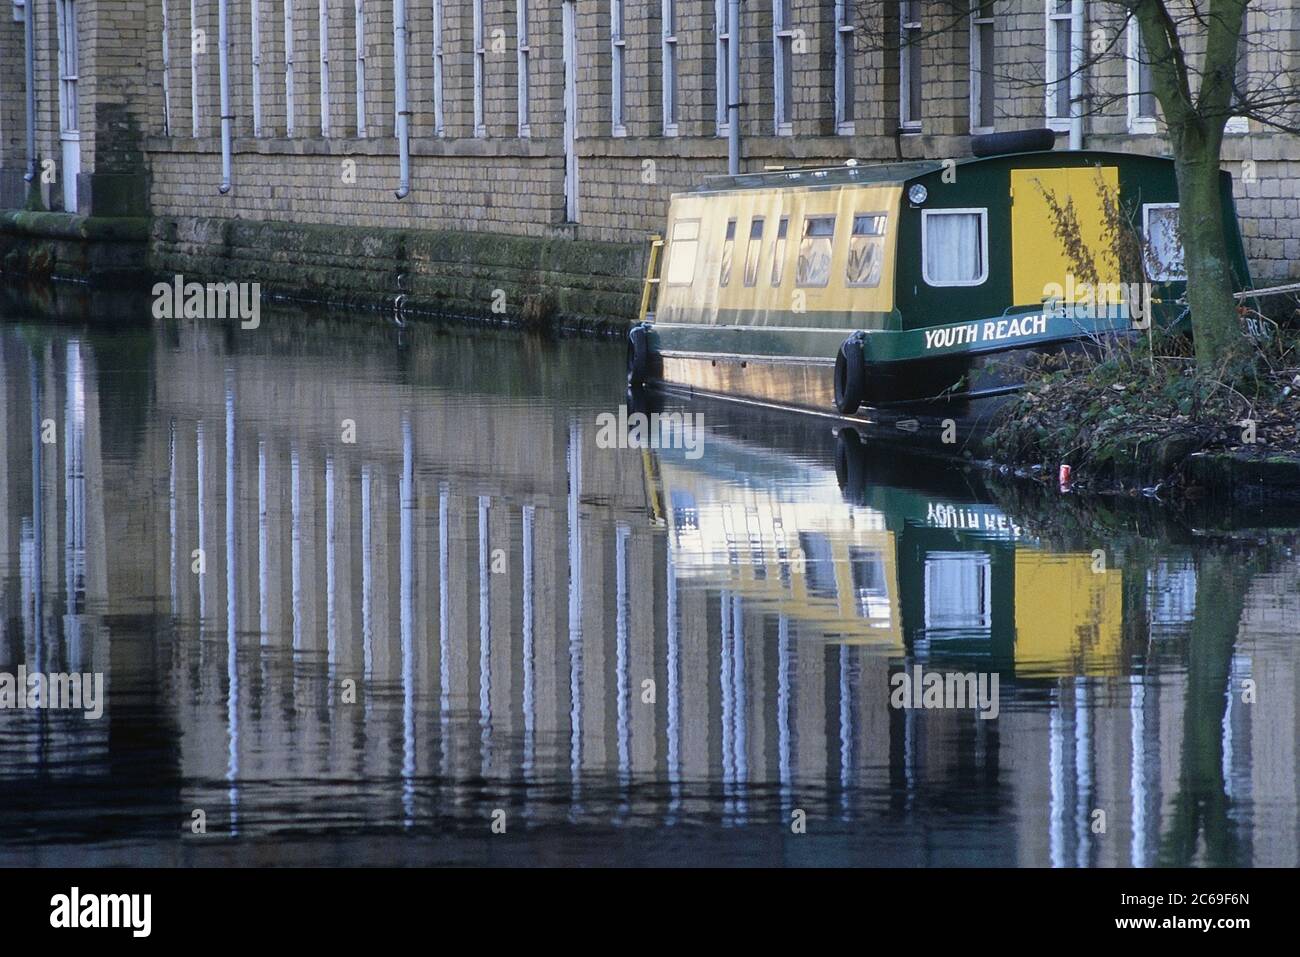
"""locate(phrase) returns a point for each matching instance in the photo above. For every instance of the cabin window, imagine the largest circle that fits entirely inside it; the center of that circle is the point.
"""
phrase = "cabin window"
(728, 247)
(954, 244)
(866, 250)
(751, 254)
(778, 250)
(815, 251)
(1164, 250)
(683, 252)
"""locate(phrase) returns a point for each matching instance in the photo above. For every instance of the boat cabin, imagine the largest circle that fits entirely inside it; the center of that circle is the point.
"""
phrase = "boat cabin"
(910, 277)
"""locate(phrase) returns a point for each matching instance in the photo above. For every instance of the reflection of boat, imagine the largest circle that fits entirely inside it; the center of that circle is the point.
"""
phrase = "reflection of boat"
(903, 282)
(792, 543)
(879, 550)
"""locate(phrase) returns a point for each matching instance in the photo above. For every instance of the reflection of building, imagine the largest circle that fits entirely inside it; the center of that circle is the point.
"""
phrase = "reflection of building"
(494, 583)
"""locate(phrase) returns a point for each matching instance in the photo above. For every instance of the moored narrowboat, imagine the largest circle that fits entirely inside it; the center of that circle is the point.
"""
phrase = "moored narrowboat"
(914, 282)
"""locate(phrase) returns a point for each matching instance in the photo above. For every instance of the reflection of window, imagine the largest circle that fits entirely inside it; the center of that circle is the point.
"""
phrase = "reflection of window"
(866, 250)
(958, 591)
(868, 567)
(1164, 245)
(815, 251)
(683, 252)
(819, 564)
(751, 254)
(686, 515)
(728, 246)
(1171, 597)
(953, 243)
(778, 250)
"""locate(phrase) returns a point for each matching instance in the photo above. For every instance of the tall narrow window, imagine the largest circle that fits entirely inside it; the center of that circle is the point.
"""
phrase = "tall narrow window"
(255, 15)
(982, 52)
(288, 70)
(324, 67)
(909, 65)
(480, 61)
(69, 127)
(722, 35)
(728, 249)
(617, 49)
(755, 248)
(522, 50)
(845, 88)
(778, 250)
(196, 125)
(1059, 40)
(361, 66)
(669, 53)
(166, 65)
(439, 124)
(782, 67)
(1141, 96)
(1240, 80)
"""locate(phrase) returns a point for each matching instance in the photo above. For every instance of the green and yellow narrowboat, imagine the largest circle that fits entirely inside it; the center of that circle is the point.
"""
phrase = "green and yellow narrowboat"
(913, 282)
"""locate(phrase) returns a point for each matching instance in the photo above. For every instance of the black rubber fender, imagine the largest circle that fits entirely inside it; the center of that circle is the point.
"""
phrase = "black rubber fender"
(639, 366)
(850, 376)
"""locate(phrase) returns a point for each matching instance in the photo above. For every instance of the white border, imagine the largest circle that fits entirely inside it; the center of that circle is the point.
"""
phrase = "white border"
(1146, 236)
(984, 240)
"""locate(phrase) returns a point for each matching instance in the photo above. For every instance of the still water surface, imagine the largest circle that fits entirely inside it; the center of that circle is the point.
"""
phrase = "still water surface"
(360, 651)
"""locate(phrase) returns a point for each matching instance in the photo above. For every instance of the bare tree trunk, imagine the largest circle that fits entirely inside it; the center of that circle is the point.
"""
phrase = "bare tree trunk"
(1206, 258)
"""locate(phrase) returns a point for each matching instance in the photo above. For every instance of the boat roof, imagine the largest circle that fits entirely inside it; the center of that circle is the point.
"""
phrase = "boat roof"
(872, 174)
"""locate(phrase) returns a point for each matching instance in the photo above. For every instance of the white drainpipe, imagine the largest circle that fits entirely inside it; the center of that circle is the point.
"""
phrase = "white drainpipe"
(223, 44)
(403, 114)
(1076, 75)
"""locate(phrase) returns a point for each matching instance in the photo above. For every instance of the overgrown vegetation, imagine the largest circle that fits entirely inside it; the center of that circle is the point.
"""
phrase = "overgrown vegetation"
(1131, 410)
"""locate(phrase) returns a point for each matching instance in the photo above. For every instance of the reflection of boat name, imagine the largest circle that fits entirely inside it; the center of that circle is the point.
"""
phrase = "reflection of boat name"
(951, 690)
(993, 330)
(950, 516)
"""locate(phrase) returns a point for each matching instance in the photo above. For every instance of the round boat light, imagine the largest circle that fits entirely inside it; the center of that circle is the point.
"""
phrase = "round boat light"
(917, 194)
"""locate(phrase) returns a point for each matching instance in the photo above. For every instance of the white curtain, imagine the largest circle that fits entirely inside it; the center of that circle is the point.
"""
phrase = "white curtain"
(953, 252)
(1165, 249)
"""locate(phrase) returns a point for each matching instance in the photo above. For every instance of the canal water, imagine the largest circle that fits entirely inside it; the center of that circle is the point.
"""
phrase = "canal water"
(370, 593)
